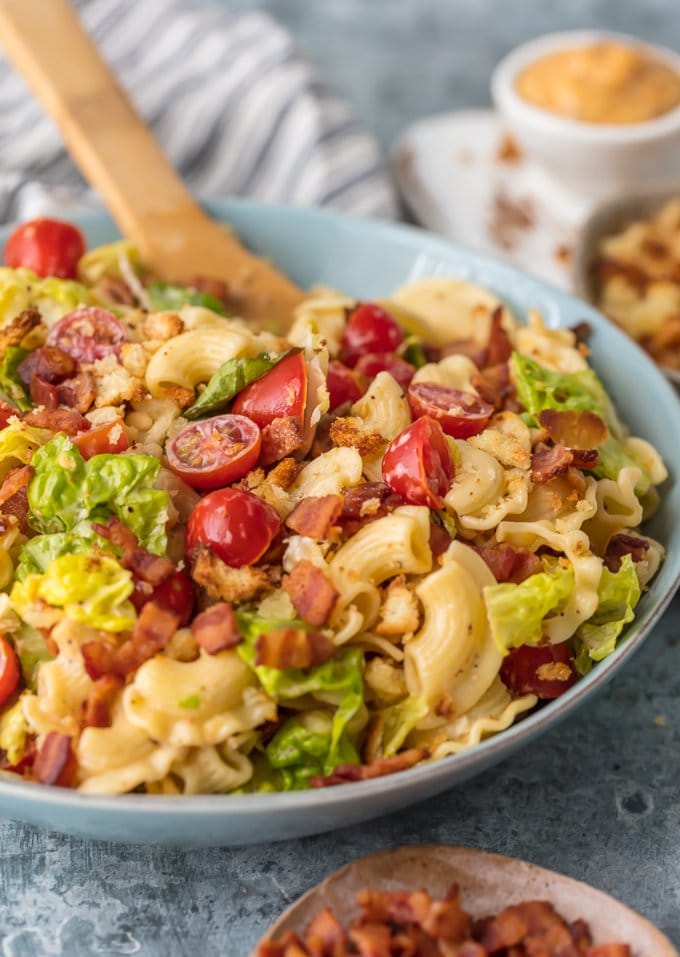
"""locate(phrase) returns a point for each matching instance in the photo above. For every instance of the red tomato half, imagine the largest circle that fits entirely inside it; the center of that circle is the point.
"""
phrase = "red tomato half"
(9, 671)
(343, 384)
(544, 670)
(88, 334)
(238, 526)
(49, 247)
(110, 437)
(374, 362)
(369, 329)
(214, 452)
(280, 393)
(175, 593)
(460, 414)
(417, 464)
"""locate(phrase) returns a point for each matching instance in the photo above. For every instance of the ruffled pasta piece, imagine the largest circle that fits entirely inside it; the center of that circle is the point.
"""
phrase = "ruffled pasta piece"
(212, 770)
(454, 372)
(554, 502)
(328, 474)
(195, 702)
(510, 500)
(453, 659)
(618, 507)
(479, 480)
(553, 348)
(396, 544)
(323, 314)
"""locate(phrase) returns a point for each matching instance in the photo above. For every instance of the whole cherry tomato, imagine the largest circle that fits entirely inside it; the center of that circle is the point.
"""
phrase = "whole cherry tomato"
(343, 384)
(460, 414)
(280, 393)
(374, 362)
(49, 247)
(109, 437)
(10, 671)
(175, 593)
(213, 452)
(544, 670)
(88, 334)
(237, 526)
(369, 329)
(417, 464)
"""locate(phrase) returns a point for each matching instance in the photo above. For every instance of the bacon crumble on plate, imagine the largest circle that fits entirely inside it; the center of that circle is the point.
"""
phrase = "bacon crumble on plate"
(256, 563)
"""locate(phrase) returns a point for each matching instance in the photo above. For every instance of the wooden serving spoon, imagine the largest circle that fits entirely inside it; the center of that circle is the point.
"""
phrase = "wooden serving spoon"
(118, 155)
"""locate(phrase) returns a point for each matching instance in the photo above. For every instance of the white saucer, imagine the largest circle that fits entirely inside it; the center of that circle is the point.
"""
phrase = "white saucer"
(454, 179)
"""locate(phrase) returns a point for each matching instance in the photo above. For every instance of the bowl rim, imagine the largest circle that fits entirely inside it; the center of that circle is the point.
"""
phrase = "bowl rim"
(479, 757)
(509, 101)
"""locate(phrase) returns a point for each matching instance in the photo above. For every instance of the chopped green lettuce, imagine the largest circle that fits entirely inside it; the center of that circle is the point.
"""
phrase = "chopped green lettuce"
(21, 288)
(618, 593)
(94, 590)
(11, 386)
(31, 648)
(539, 388)
(399, 720)
(414, 353)
(37, 553)
(18, 442)
(516, 612)
(66, 490)
(303, 748)
(105, 261)
(163, 295)
(231, 377)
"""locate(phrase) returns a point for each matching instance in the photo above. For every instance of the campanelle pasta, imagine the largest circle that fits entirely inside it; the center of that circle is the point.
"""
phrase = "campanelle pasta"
(231, 562)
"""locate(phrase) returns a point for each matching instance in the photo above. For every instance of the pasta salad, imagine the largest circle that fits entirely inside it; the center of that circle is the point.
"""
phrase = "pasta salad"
(236, 562)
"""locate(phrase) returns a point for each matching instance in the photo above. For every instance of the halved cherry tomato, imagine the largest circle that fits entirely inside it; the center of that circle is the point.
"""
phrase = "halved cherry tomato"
(374, 362)
(6, 413)
(175, 593)
(49, 247)
(417, 464)
(109, 437)
(10, 671)
(369, 329)
(280, 393)
(88, 334)
(343, 384)
(238, 526)
(544, 670)
(213, 452)
(460, 414)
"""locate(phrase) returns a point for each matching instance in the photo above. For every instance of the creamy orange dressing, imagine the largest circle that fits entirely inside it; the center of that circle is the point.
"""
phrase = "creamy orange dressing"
(602, 83)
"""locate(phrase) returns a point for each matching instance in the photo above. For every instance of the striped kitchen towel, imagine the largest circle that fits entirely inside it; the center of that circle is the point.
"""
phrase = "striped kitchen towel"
(236, 106)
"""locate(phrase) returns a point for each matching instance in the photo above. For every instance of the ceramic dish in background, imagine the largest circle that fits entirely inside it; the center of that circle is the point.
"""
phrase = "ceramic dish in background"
(597, 160)
(488, 883)
(607, 220)
(368, 259)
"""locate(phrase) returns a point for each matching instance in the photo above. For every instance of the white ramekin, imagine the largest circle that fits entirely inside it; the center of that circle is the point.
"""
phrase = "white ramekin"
(596, 159)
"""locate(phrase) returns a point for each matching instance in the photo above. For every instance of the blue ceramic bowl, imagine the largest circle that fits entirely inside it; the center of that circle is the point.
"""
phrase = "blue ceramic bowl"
(368, 259)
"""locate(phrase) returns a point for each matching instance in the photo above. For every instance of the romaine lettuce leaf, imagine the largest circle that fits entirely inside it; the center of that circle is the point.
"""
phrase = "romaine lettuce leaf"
(618, 593)
(37, 553)
(18, 442)
(21, 288)
(163, 295)
(302, 748)
(105, 261)
(11, 385)
(31, 648)
(399, 720)
(91, 589)
(66, 490)
(516, 612)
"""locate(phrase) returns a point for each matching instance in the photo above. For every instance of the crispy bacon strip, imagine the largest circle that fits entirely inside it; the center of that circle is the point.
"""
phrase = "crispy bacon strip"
(493, 384)
(547, 462)
(345, 773)
(43, 393)
(142, 563)
(575, 430)
(311, 591)
(499, 347)
(100, 701)
(293, 648)
(55, 762)
(99, 658)
(510, 563)
(315, 516)
(215, 629)
(153, 629)
(280, 438)
(78, 392)
(58, 420)
(324, 935)
(620, 545)
(366, 502)
(14, 482)
(49, 363)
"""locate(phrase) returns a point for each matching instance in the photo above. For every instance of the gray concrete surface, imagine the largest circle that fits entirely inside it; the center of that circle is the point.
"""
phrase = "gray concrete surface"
(599, 798)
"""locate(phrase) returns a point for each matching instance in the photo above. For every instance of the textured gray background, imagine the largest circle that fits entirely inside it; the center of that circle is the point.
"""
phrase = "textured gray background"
(598, 799)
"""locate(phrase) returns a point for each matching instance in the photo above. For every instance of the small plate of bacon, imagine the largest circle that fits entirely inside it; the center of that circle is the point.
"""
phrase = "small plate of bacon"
(444, 901)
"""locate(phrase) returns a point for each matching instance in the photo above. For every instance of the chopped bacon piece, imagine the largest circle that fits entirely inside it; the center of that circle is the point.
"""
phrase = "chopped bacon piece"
(345, 773)
(77, 393)
(315, 516)
(620, 545)
(280, 438)
(143, 564)
(14, 494)
(608, 950)
(366, 502)
(293, 648)
(582, 332)
(55, 762)
(289, 945)
(215, 629)
(466, 347)
(324, 935)
(548, 462)
(43, 393)
(58, 420)
(373, 940)
(510, 563)
(499, 347)
(575, 430)
(504, 931)
(99, 658)
(544, 670)
(493, 384)
(100, 701)
(214, 287)
(153, 629)
(311, 591)
(49, 363)
(439, 540)
(585, 459)
(13, 332)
